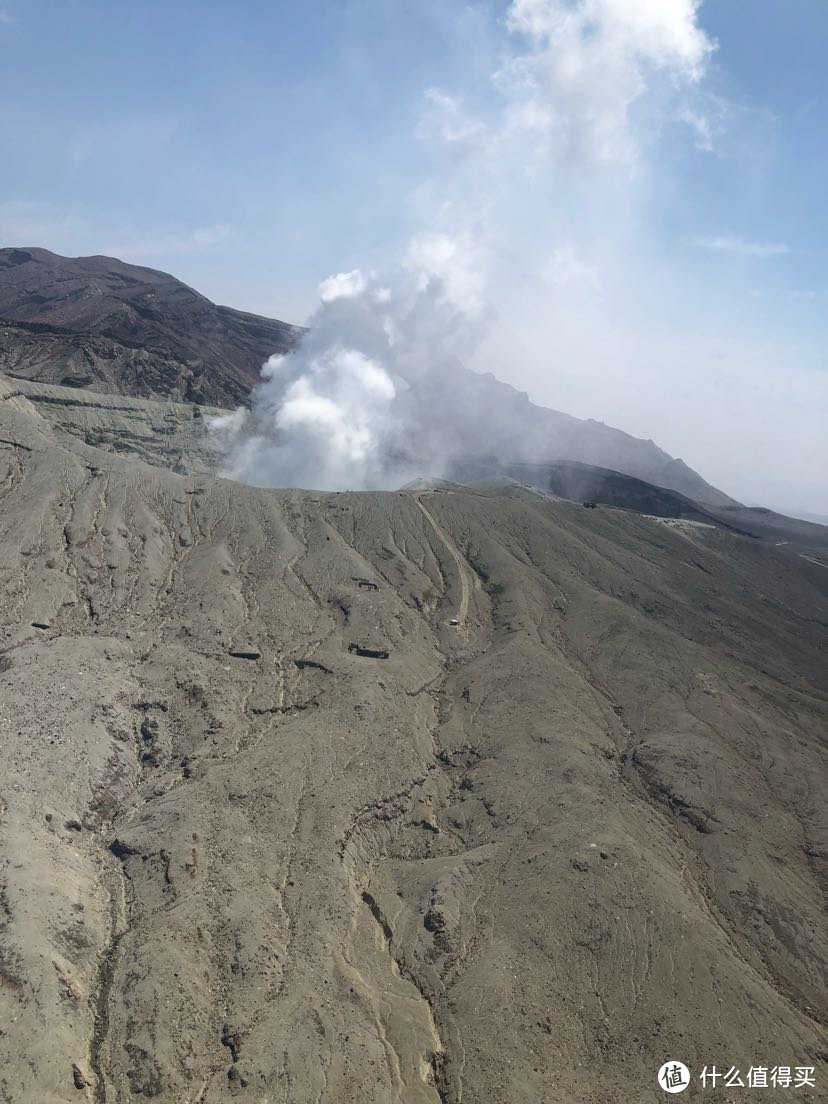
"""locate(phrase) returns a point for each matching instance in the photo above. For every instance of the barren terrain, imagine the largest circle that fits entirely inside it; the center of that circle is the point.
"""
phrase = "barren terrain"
(525, 857)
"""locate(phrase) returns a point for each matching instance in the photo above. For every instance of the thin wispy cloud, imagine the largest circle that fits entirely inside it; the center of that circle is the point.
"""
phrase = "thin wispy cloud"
(129, 138)
(25, 223)
(192, 241)
(445, 118)
(701, 126)
(807, 294)
(565, 266)
(743, 247)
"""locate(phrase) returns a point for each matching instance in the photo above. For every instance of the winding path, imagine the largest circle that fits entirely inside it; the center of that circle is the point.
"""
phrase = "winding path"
(463, 569)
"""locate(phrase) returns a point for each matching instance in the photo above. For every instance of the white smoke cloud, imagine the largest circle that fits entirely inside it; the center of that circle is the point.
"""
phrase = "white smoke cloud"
(589, 63)
(375, 393)
(579, 68)
(340, 411)
(344, 285)
(455, 263)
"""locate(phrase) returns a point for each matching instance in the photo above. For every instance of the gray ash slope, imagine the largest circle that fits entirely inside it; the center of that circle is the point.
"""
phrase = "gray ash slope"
(528, 856)
(98, 323)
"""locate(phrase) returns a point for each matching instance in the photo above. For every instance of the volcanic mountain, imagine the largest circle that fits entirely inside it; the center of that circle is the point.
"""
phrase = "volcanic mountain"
(451, 795)
(101, 324)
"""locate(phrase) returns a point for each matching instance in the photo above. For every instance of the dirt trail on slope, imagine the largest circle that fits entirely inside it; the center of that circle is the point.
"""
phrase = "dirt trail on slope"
(463, 569)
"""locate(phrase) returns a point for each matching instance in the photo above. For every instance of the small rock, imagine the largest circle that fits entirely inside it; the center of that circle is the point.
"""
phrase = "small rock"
(80, 1079)
(121, 850)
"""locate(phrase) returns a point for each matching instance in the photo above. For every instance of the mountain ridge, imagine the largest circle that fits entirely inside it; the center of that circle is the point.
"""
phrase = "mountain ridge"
(102, 323)
(132, 329)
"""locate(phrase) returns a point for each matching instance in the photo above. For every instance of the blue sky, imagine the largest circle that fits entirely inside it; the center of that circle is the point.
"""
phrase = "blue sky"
(674, 286)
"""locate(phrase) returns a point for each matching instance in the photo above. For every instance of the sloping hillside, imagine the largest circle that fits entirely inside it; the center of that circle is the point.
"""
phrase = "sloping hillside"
(98, 322)
(586, 482)
(580, 482)
(421, 797)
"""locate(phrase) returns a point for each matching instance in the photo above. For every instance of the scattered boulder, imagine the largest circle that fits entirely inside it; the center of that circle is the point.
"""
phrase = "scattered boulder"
(365, 584)
(369, 653)
(79, 1078)
(121, 850)
(304, 663)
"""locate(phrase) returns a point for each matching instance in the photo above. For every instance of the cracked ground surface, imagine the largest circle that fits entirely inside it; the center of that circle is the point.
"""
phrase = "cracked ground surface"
(526, 857)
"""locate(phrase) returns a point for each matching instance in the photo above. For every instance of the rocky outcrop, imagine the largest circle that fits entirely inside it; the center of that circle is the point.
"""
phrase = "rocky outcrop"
(165, 434)
(98, 322)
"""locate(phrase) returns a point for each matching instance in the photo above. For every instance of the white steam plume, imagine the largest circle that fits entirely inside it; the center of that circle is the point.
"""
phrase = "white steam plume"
(375, 393)
(340, 411)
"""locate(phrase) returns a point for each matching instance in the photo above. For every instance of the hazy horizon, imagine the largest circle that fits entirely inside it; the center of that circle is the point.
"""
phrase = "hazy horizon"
(624, 197)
